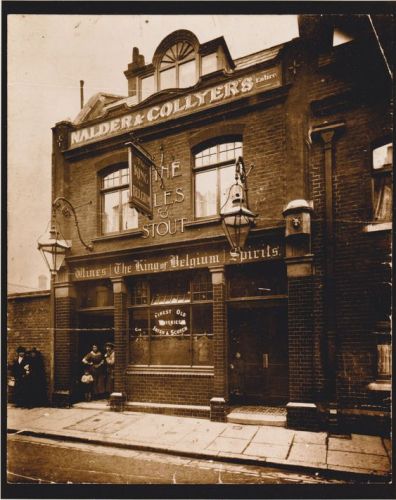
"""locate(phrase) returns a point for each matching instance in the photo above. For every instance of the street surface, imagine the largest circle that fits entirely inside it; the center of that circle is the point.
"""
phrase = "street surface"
(42, 460)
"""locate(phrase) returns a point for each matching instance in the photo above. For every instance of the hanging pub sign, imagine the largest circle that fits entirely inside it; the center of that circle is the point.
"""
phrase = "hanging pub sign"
(140, 194)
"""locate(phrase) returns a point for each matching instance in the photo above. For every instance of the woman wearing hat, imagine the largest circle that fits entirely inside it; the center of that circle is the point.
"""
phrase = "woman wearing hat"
(20, 372)
(109, 364)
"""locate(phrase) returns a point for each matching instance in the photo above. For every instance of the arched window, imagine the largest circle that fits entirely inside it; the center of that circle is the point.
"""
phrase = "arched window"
(214, 169)
(178, 67)
(117, 216)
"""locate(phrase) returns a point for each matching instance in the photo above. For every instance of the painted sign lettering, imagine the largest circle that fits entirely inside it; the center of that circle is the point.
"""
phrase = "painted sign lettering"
(231, 90)
(179, 261)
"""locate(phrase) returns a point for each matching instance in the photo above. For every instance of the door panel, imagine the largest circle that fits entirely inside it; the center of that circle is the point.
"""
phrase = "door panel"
(258, 354)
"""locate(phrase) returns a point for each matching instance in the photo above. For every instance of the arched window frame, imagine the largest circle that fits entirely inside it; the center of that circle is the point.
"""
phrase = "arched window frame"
(178, 54)
(115, 179)
(219, 170)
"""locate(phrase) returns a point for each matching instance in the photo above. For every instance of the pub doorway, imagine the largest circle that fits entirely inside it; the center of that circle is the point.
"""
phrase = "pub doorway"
(93, 328)
(258, 354)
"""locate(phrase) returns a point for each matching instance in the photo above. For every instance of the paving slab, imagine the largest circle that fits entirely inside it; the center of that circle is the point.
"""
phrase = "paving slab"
(274, 435)
(310, 437)
(358, 444)
(232, 445)
(94, 422)
(240, 431)
(267, 450)
(309, 453)
(358, 461)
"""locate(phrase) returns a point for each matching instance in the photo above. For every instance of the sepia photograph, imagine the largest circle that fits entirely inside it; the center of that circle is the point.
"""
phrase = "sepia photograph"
(198, 216)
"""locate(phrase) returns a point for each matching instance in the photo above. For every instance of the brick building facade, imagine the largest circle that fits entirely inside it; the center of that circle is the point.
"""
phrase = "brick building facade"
(300, 317)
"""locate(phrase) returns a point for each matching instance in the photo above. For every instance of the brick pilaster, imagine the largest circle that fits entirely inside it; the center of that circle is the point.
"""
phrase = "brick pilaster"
(220, 347)
(121, 343)
(64, 342)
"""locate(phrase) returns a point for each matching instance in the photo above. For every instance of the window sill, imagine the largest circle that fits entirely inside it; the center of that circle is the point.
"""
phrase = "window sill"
(202, 222)
(204, 371)
(377, 226)
(129, 234)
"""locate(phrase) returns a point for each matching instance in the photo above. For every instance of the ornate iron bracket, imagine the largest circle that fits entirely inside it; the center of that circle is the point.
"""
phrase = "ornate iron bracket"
(67, 209)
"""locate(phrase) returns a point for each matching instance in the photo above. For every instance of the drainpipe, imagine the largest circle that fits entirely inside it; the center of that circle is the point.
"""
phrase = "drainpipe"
(327, 133)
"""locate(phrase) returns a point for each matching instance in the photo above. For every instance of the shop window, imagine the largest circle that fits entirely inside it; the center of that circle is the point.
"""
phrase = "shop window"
(176, 327)
(95, 295)
(214, 175)
(382, 157)
(178, 67)
(258, 280)
(117, 216)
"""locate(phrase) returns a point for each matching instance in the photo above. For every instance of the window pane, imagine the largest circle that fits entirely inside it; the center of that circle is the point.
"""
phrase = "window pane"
(205, 193)
(227, 179)
(129, 215)
(258, 280)
(382, 156)
(187, 74)
(168, 78)
(383, 197)
(202, 334)
(139, 340)
(170, 335)
(110, 216)
(209, 63)
(170, 351)
(111, 179)
(201, 286)
(140, 292)
(147, 86)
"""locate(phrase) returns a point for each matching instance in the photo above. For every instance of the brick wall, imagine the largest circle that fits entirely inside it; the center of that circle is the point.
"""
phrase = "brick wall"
(29, 325)
(65, 341)
(171, 389)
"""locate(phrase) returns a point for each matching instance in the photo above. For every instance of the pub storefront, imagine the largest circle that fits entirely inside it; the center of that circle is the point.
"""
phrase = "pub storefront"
(175, 318)
(227, 211)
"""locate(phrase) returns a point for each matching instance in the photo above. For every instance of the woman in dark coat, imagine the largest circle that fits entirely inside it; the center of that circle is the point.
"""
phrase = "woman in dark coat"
(94, 359)
(20, 374)
(37, 380)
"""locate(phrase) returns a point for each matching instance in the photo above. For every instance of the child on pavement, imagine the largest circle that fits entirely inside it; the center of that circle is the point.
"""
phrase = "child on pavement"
(87, 382)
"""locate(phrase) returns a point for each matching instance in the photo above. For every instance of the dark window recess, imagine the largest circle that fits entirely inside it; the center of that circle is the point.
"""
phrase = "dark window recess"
(95, 295)
(258, 280)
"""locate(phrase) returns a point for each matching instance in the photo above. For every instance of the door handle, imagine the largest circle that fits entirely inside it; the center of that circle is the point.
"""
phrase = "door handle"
(265, 360)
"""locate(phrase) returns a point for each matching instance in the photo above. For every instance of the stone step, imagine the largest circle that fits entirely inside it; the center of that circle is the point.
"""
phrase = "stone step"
(257, 419)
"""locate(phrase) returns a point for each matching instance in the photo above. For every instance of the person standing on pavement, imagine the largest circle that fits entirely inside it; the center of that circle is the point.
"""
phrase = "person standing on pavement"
(94, 359)
(109, 367)
(37, 378)
(19, 370)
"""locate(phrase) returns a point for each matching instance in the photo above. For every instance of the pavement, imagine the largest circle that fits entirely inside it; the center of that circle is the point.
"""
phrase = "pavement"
(200, 438)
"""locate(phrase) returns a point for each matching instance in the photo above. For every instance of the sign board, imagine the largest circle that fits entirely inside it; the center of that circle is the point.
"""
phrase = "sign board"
(140, 180)
(179, 261)
(206, 98)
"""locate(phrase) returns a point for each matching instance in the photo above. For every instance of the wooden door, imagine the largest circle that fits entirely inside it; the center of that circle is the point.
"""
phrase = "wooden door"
(258, 355)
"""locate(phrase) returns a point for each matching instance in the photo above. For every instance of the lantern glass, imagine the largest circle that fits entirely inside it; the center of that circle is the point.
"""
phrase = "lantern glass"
(53, 251)
(237, 222)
